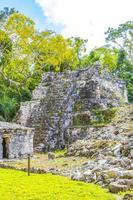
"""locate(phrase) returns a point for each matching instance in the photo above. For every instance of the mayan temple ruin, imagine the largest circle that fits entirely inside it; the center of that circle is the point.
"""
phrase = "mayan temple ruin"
(86, 112)
(60, 98)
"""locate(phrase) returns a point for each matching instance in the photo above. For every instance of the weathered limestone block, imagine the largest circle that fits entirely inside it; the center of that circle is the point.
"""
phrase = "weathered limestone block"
(51, 156)
(127, 149)
(115, 188)
(128, 197)
(25, 111)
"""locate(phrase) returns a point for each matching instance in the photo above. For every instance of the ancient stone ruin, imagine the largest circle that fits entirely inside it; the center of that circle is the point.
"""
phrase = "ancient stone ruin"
(86, 111)
(109, 150)
(16, 141)
(62, 98)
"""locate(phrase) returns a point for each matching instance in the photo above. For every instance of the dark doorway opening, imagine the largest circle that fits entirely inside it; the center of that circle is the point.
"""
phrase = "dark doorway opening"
(5, 147)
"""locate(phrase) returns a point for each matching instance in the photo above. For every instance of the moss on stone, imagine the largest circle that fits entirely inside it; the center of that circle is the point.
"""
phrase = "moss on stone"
(112, 174)
(99, 117)
(103, 116)
(102, 144)
(78, 106)
(81, 119)
(60, 114)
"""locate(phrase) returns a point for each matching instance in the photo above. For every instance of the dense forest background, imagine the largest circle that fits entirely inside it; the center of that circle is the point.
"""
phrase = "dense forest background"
(26, 53)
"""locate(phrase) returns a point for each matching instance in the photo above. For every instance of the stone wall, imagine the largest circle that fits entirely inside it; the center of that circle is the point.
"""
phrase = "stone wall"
(20, 145)
(20, 140)
(109, 149)
(59, 95)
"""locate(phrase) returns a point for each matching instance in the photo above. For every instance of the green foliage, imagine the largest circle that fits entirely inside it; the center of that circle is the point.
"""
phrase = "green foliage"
(103, 116)
(124, 70)
(25, 54)
(82, 119)
(78, 106)
(122, 39)
(116, 56)
(5, 13)
(8, 108)
(2, 119)
(5, 49)
(55, 54)
(79, 47)
(105, 56)
(98, 117)
(60, 153)
(17, 185)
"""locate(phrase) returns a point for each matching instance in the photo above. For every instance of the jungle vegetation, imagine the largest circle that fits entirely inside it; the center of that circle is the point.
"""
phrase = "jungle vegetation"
(26, 53)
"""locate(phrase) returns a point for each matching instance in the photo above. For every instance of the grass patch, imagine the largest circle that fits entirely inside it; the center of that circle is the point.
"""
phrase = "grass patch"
(60, 153)
(16, 185)
(61, 162)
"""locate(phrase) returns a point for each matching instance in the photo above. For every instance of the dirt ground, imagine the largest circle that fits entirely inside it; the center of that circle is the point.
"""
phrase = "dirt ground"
(41, 161)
